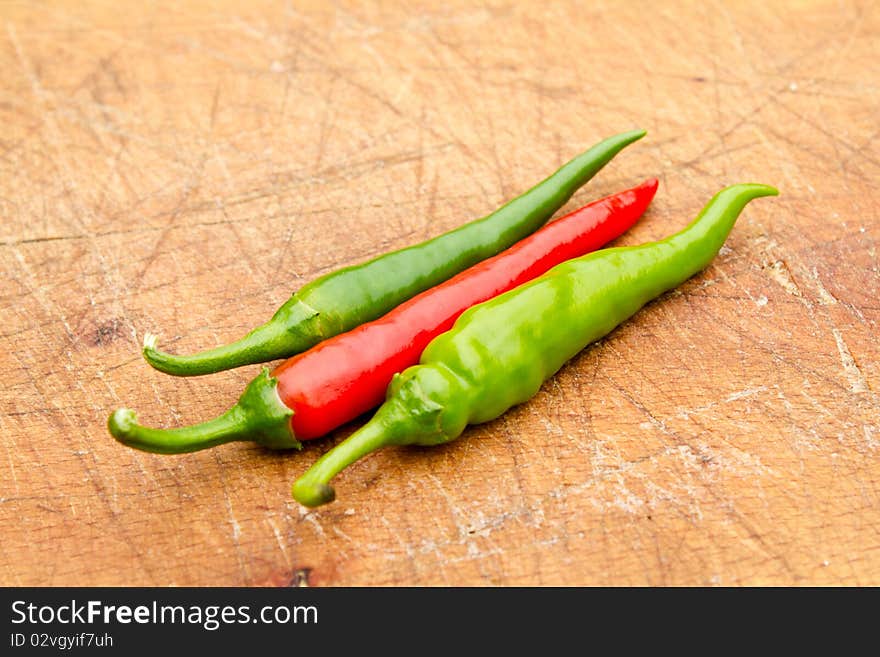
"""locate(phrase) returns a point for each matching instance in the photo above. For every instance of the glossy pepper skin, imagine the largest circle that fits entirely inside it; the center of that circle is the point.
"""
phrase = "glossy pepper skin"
(347, 375)
(341, 378)
(341, 300)
(499, 353)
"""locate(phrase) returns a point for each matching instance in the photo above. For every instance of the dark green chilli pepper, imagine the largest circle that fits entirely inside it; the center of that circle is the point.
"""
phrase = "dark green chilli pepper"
(344, 299)
(499, 352)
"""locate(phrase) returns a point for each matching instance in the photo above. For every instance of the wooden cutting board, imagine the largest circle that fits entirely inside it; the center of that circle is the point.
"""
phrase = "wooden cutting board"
(182, 170)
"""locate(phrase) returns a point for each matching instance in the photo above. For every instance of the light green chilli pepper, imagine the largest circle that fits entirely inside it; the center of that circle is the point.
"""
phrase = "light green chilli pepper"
(499, 352)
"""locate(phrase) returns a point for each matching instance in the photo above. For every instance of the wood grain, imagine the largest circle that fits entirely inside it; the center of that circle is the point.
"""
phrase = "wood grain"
(183, 169)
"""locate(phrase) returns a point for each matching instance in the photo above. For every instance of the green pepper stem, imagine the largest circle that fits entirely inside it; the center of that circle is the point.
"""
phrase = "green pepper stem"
(293, 329)
(259, 415)
(314, 489)
(125, 428)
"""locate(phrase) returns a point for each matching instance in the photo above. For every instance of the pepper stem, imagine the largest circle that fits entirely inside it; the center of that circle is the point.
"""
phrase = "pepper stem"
(386, 428)
(259, 415)
(125, 428)
(293, 329)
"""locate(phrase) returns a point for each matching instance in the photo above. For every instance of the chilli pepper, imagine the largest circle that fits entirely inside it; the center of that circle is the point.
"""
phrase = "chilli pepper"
(335, 381)
(343, 299)
(500, 352)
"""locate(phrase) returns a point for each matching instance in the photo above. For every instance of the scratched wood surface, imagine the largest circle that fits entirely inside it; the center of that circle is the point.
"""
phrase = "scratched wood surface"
(181, 170)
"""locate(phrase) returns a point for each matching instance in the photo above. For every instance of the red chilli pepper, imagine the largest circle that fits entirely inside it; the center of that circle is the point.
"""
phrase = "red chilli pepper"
(345, 376)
